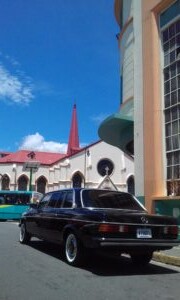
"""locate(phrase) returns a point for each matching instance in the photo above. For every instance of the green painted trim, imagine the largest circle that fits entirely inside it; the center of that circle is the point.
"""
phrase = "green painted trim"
(118, 129)
(170, 13)
(169, 207)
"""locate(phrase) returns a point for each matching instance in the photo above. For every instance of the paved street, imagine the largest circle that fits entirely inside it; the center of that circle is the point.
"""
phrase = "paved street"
(38, 272)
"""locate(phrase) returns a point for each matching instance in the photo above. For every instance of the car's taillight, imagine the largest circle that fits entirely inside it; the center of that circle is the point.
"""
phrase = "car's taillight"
(171, 230)
(123, 228)
(112, 228)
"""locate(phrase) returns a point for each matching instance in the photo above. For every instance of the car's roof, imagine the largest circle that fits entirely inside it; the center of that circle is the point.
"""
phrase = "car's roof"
(86, 188)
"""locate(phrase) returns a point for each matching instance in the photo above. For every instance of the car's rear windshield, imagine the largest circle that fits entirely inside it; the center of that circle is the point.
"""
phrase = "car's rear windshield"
(109, 199)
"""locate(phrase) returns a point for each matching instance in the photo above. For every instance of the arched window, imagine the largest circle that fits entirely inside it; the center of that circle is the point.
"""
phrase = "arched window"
(131, 185)
(22, 183)
(77, 180)
(41, 184)
(5, 182)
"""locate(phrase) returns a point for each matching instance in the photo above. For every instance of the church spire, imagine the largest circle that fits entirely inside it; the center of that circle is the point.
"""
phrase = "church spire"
(73, 144)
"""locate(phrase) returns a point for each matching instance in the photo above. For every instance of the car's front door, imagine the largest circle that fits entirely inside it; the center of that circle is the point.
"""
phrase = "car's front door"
(57, 215)
(48, 222)
(33, 221)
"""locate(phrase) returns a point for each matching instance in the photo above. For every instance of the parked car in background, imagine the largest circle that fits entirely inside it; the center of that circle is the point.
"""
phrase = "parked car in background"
(82, 219)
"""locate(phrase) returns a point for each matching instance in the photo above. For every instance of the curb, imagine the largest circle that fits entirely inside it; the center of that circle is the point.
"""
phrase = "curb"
(166, 259)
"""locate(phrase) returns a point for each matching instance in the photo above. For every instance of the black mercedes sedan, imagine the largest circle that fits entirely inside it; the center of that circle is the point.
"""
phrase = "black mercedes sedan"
(82, 219)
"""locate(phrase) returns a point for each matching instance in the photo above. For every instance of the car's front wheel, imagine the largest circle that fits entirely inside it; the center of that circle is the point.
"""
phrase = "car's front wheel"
(141, 258)
(24, 236)
(73, 250)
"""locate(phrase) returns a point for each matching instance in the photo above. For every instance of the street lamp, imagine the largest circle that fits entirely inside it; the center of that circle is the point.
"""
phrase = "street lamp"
(32, 166)
(14, 168)
(1, 179)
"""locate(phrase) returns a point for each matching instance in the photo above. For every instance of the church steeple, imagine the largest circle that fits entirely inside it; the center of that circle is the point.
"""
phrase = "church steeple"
(73, 144)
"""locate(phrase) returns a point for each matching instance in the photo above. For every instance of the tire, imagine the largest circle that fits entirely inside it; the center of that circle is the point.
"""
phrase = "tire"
(141, 259)
(73, 250)
(24, 236)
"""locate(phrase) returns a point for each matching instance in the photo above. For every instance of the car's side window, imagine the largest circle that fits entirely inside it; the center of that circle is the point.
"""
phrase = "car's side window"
(53, 200)
(60, 197)
(68, 200)
(44, 201)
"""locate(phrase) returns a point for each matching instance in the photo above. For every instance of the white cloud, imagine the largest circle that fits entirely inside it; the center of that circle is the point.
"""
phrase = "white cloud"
(37, 142)
(14, 88)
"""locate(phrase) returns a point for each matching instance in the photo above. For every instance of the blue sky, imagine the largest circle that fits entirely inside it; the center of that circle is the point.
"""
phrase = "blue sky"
(54, 54)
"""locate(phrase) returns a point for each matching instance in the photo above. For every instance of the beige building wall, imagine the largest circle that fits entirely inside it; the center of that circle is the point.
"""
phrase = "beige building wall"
(154, 164)
(142, 72)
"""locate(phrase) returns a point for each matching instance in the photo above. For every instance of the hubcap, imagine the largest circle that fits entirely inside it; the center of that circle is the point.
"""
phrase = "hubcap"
(71, 247)
(22, 232)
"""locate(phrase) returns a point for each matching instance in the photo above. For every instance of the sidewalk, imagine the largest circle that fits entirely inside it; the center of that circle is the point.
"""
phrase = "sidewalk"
(171, 257)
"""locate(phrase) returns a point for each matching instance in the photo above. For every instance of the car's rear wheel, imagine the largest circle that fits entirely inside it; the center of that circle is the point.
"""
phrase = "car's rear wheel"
(73, 250)
(141, 258)
(24, 236)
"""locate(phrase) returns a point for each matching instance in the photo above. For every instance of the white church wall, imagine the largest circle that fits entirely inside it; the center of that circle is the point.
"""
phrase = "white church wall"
(85, 162)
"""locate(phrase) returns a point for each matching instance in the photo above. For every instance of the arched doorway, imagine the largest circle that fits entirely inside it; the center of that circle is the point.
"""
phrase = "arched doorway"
(22, 183)
(77, 180)
(5, 182)
(41, 184)
(131, 185)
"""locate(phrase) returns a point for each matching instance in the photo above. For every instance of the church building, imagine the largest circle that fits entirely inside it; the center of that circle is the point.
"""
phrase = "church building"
(98, 165)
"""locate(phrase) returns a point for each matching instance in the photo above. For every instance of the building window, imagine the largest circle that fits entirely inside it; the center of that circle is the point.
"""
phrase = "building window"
(41, 184)
(170, 37)
(5, 182)
(77, 180)
(105, 167)
(131, 185)
(22, 183)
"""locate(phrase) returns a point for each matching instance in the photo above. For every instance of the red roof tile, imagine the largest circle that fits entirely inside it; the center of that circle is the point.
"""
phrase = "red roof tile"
(45, 158)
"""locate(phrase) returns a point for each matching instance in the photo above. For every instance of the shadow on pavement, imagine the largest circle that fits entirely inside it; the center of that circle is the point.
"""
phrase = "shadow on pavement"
(103, 264)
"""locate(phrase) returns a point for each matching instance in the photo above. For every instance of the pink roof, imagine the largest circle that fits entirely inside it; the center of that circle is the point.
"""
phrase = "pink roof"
(45, 158)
